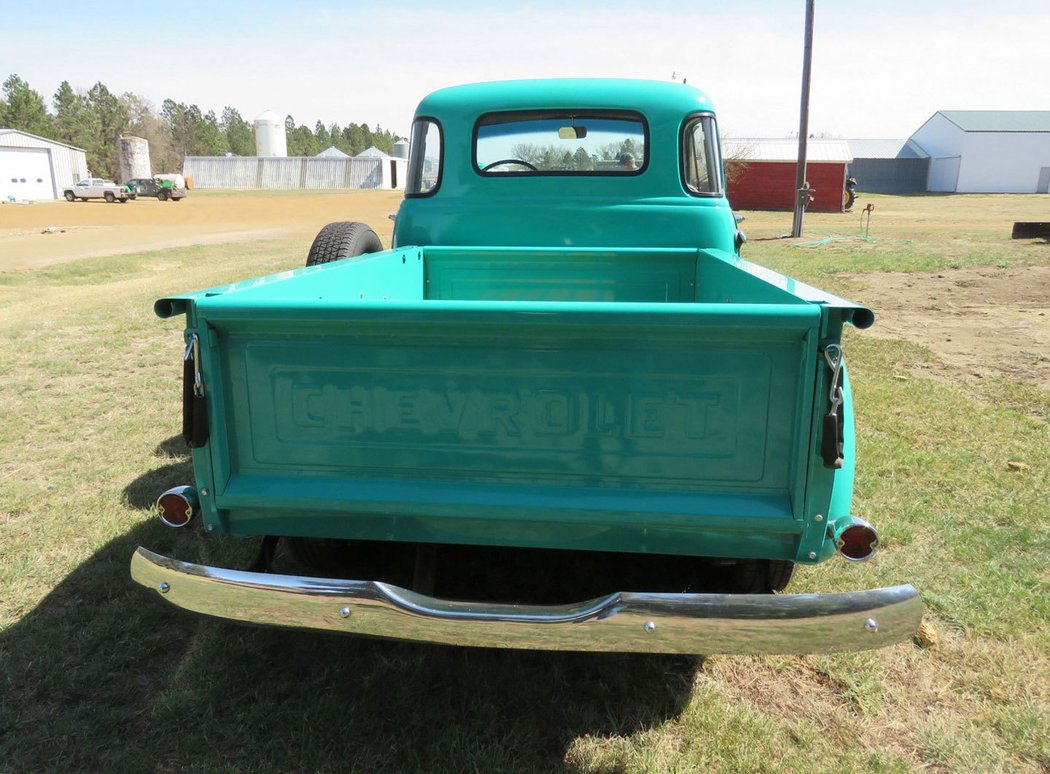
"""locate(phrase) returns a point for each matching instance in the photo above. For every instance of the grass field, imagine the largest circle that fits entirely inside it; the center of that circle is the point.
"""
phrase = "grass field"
(95, 676)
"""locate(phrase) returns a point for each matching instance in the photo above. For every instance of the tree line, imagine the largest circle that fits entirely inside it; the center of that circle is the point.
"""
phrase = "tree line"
(96, 119)
(553, 157)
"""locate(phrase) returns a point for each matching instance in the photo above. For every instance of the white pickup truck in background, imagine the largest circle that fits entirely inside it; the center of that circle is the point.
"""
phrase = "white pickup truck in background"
(97, 188)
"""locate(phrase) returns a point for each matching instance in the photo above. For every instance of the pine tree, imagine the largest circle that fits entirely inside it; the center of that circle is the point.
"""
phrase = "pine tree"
(239, 134)
(24, 109)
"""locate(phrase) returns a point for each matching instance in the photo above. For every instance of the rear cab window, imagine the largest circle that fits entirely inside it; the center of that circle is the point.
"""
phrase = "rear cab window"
(561, 142)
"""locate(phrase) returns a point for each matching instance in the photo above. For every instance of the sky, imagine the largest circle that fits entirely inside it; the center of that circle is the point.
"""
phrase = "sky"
(880, 69)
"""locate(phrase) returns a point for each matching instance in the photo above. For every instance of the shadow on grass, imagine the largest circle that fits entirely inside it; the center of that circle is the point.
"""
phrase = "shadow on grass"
(142, 493)
(100, 676)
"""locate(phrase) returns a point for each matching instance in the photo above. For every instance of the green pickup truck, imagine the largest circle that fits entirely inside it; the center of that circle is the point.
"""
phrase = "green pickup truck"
(560, 412)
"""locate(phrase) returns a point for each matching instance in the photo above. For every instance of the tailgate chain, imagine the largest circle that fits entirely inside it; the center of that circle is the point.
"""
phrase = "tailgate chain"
(194, 405)
(833, 436)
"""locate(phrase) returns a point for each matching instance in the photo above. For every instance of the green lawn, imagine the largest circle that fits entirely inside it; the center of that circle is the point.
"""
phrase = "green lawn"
(95, 676)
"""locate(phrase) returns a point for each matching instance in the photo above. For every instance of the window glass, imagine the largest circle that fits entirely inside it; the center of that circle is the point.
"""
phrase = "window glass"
(424, 158)
(561, 143)
(702, 163)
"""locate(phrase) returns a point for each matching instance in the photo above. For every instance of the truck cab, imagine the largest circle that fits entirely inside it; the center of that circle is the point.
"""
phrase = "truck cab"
(610, 163)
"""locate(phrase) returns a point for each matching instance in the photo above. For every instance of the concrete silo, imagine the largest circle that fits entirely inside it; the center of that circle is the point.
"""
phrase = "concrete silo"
(134, 159)
(270, 139)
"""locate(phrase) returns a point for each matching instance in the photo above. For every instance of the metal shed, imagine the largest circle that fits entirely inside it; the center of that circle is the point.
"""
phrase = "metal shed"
(888, 166)
(34, 168)
(762, 175)
(987, 151)
(294, 172)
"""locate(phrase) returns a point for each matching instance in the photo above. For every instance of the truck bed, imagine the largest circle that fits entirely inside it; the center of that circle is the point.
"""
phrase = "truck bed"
(652, 400)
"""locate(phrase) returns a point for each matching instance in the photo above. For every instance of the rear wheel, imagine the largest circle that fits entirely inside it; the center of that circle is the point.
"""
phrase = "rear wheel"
(780, 574)
(345, 239)
(761, 576)
(109, 197)
(70, 197)
(162, 194)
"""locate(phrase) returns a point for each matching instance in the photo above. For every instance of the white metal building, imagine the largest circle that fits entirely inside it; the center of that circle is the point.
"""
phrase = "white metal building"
(987, 151)
(33, 168)
(294, 172)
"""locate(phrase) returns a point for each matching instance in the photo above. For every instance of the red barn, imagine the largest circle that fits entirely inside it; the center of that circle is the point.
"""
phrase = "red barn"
(762, 173)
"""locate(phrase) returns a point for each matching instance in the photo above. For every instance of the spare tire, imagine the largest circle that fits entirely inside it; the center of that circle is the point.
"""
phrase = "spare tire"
(345, 239)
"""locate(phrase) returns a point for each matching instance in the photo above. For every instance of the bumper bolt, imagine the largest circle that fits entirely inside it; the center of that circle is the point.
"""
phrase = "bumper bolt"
(344, 612)
(649, 626)
(164, 587)
(871, 625)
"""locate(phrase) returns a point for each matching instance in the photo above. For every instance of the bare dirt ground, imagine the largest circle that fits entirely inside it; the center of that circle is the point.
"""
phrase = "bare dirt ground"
(48, 233)
(980, 322)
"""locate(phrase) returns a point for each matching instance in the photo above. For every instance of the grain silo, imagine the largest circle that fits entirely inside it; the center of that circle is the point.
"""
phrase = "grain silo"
(401, 149)
(134, 159)
(270, 139)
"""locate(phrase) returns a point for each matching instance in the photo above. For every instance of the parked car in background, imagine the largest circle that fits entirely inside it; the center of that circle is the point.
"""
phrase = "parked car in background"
(154, 186)
(97, 188)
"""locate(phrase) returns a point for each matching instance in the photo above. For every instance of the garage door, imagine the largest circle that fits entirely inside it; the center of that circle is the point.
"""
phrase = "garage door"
(25, 173)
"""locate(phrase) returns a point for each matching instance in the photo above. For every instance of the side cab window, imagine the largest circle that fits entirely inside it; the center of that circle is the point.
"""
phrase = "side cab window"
(701, 157)
(424, 158)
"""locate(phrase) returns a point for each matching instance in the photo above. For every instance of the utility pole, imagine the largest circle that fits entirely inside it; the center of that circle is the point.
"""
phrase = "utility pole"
(801, 187)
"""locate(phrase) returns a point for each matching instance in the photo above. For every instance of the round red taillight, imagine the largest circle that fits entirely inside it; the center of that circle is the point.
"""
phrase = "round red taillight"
(858, 541)
(176, 506)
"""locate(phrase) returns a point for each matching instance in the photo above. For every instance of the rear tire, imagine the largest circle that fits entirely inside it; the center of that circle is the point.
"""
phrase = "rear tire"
(70, 197)
(345, 239)
(109, 197)
(162, 195)
(762, 576)
(781, 572)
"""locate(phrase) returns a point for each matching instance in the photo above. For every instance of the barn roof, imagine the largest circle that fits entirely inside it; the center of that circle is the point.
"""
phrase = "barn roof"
(786, 149)
(885, 149)
(36, 137)
(372, 153)
(999, 120)
(332, 152)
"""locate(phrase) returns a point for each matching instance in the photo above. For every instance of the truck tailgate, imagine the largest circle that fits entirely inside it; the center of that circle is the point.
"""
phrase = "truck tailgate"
(667, 427)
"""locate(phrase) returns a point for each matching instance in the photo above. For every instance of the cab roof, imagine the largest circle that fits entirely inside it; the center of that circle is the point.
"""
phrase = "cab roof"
(648, 97)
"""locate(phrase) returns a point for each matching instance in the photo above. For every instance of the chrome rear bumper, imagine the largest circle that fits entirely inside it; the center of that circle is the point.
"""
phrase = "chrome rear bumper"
(620, 622)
